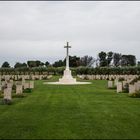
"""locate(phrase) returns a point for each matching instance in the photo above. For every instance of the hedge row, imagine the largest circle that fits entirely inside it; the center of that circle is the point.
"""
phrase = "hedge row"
(75, 71)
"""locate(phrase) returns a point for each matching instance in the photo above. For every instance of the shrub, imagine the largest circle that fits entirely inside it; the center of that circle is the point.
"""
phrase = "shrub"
(14, 87)
(36, 78)
(138, 79)
(7, 102)
(19, 95)
(112, 79)
(121, 79)
(86, 78)
(1, 95)
(126, 88)
(77, 70)
(28, 90)
(133, 81)
(2, 79)
(45, 78)
(19, 79)
(60, 70)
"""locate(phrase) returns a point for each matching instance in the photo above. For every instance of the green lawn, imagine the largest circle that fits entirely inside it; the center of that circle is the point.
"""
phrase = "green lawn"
(71, 112)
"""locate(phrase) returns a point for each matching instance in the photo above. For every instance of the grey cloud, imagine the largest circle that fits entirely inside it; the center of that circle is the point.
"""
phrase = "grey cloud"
(38, 30)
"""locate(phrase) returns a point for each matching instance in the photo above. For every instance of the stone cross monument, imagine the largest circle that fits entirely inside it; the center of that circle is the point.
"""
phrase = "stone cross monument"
(67, 77)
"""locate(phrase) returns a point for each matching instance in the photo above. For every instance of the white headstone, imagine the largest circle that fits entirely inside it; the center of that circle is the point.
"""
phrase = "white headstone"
(40, 77)
(115, 82)
(7, 77)
(19, 89)
(26, 85)
(49, 76)
(33, 77)
(3, 83)
(9, 85)
(0, 87)
(137, 86)
(132, 89)
(119, 87)
(7, 93)
(110, 84)
(31, 84)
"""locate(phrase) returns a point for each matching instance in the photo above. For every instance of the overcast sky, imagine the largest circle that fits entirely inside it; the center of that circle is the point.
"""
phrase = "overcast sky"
(39, 30)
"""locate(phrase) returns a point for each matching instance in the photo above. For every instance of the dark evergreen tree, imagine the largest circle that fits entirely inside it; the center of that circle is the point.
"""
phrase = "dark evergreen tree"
(117, 59)
(5, 65)
(47, 63)
(109, 58)
(102, 59)
(86, 61)
(20, 65)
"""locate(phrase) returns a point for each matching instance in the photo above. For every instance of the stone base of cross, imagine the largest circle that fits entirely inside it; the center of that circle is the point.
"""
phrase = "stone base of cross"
(67, 77)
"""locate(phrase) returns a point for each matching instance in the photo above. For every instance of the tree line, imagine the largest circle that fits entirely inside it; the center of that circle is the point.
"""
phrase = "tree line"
(104, 59)
(116, 59)
(74, 62)
(75, 71)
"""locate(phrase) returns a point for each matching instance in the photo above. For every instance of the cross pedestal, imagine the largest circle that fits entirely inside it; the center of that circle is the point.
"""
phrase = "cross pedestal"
(67, 78)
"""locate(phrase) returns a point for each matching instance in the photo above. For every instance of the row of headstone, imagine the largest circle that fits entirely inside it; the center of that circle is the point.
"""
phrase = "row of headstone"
(27, 77)
(115, 82)
(130, 84)
(119, 85)
(106, 77)
(6, 87)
